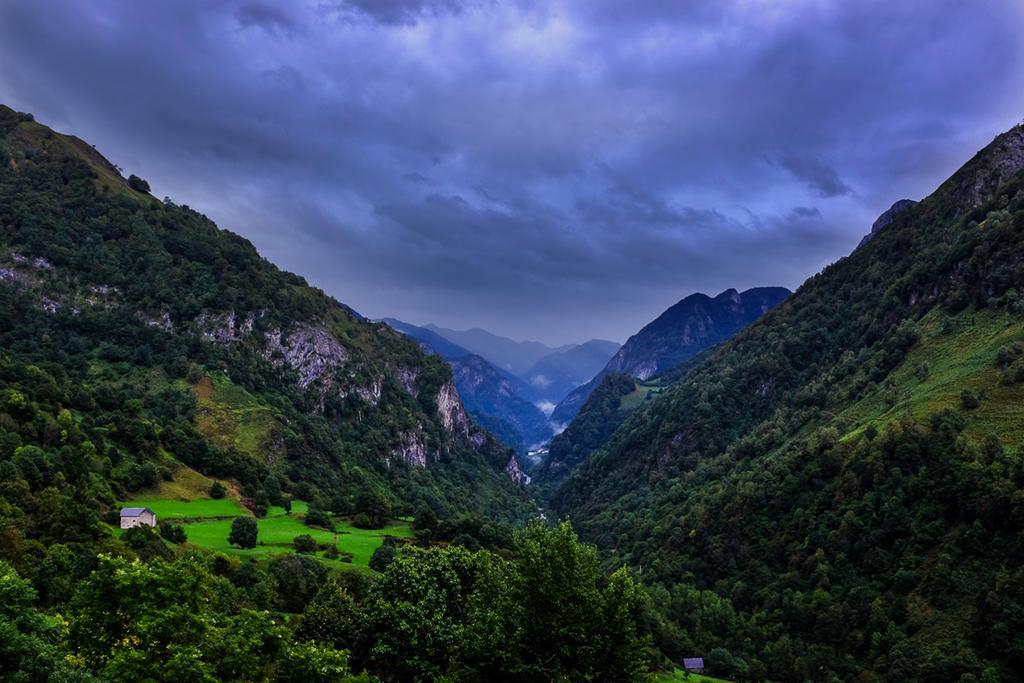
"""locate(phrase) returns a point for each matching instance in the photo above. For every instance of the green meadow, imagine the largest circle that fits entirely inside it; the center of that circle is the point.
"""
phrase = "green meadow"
(680, 676)
(207, 523)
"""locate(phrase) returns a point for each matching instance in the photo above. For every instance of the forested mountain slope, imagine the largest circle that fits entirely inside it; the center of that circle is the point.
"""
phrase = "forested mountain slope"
(138, 339)
(685, 329)
(841, 484)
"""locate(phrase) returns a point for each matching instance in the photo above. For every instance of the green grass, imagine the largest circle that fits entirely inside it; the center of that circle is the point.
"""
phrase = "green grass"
(230, 416)
(680, 676)
(641, 393)
(963, 358)
(166, 509)
(208, 522)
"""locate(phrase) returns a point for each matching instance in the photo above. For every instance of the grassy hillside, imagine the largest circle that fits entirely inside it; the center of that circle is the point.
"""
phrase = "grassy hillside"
(838, 489)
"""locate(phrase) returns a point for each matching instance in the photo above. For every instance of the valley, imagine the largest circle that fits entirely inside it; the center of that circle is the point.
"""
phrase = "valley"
(693, 392)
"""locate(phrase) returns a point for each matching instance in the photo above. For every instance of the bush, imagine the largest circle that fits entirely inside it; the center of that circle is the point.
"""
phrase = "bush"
(146, 543)
(304, 543)
(138, 184)
(363, 521)
(175, 533)
(382, 557)
(969, 400)
(217, 490)
(319, 518)
(243, 532)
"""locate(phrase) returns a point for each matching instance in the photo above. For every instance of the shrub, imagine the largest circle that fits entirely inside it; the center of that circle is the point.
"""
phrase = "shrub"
(243, 532)
(364, 521)
(382, 557)
(304, 543)
(969, 400)
(138, 184)
(217, 490)
(319, 518)
(175, 533)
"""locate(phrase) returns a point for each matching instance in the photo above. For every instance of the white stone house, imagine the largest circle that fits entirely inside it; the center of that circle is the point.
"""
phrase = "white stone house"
(131, 517)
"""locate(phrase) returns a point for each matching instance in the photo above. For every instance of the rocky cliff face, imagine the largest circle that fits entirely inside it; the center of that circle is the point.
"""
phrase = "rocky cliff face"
(449, 406)
(999, 162)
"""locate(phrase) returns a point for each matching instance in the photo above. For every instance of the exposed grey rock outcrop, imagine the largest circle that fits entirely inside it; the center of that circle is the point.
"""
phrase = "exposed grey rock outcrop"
(311, 351)
(406, 378)
(226, 327)
(449, 406)
(515, 472)
(991, 167)
(411, 450)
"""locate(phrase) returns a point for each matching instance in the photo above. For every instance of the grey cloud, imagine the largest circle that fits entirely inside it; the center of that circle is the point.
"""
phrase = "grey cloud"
(798, 212)
(556, 170)
(403, 12)
(267, 16)
(819, 176)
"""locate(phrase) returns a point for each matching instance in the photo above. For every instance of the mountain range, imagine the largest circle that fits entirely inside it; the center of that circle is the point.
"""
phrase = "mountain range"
(692, 325)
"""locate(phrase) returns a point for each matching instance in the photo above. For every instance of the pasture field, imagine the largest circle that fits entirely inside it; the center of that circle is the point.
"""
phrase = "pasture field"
(207, 523)
(680, 676)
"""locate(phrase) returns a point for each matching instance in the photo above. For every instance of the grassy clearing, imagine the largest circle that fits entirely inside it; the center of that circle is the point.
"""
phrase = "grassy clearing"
(642, 392)
(207, 524)
(960, 358)
(680, 676)
(167, 510)
(230, 416)
(186, 485)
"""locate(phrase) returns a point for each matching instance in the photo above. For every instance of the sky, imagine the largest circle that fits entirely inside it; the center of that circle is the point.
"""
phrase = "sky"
(545, 170)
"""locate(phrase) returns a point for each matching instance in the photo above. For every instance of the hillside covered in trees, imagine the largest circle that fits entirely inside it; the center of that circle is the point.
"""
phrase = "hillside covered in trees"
(145, 352)
(836, 493)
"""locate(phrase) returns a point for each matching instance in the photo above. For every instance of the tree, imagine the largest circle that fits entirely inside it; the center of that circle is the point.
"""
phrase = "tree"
(425, 523)
(175, 533)
(332, 617)
(374, 506)
(217, 490)
(243, 532)
(138, 184)
(382, 557)
(146, 542)
(304, 543)
(298, 578)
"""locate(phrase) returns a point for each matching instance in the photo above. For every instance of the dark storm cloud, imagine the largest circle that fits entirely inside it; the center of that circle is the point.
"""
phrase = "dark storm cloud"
(401, 12)
(554, 170)
(821, 178)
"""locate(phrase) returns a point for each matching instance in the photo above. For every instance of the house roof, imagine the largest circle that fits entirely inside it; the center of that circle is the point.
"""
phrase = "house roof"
(134, 512)
(693, 662)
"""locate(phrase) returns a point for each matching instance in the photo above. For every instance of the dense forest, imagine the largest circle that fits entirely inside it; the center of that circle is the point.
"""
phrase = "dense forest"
(836, 494)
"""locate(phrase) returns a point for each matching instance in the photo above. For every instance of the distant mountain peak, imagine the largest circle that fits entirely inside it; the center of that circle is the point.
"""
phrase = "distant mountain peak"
(686, 328)
(887, 217)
